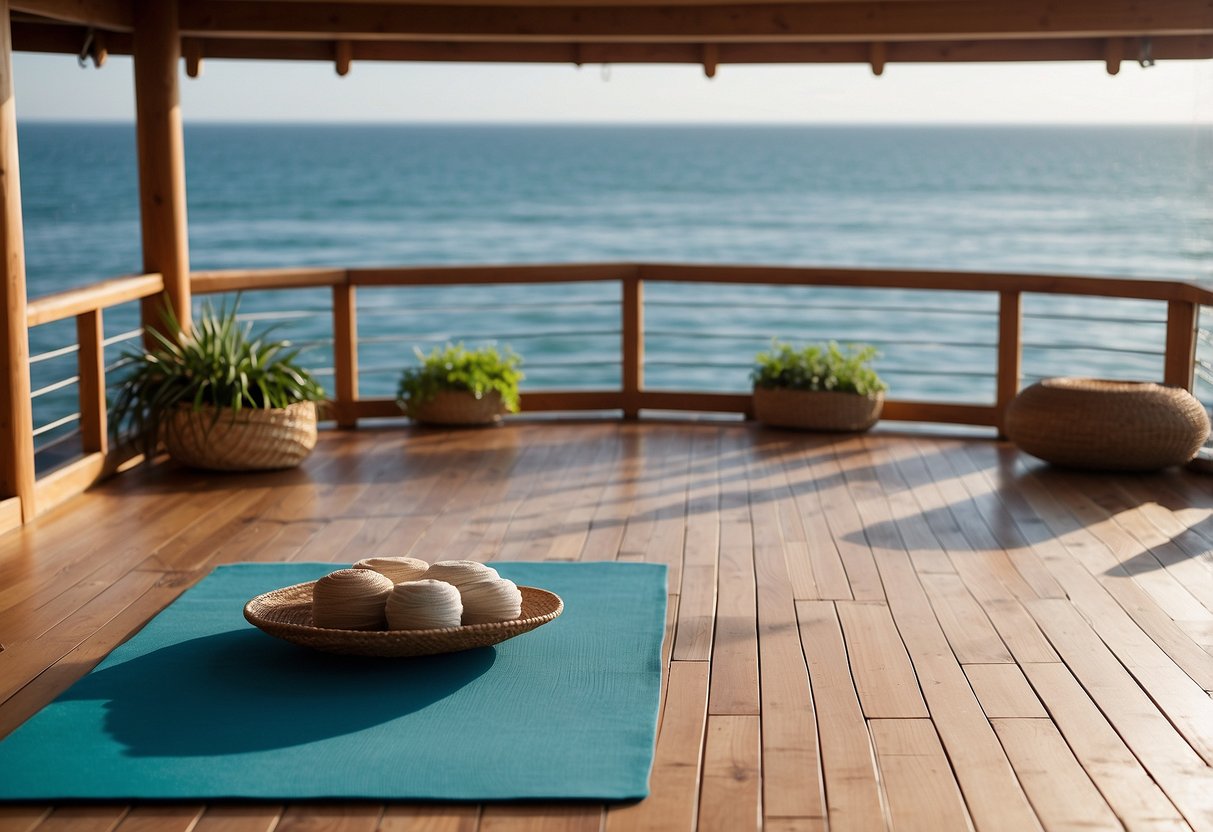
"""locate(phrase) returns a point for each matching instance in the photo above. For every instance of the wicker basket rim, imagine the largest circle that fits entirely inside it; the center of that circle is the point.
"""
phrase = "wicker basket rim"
(273, 600)
(775, 388)
(1095, 385)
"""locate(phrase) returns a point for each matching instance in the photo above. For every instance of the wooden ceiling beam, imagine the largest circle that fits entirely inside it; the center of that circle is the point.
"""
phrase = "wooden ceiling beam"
(32, 37)
(113, 15)
(910, 20)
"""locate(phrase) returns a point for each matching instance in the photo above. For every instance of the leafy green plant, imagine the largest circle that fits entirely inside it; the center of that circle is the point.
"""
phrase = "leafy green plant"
(818, 367)
(218, 363)
(454, 367)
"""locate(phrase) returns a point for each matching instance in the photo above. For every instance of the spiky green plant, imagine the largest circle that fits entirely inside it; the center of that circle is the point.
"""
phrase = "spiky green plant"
(217, 363)
(818, 367)
(454, 367)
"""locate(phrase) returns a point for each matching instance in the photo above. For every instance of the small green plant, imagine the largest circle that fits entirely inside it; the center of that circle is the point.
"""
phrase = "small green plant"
(454, 367)
(218, 363)
(818, 367)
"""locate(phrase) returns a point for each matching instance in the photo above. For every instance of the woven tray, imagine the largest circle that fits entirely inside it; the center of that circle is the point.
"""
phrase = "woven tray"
(287, 614)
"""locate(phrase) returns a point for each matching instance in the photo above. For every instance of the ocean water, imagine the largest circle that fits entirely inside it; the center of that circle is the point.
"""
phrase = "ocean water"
(1114, 201)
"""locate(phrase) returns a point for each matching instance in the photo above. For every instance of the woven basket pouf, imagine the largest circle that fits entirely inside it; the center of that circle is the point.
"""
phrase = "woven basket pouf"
(1107, 425)
(459, 407)
(816, 409)
(251, 440)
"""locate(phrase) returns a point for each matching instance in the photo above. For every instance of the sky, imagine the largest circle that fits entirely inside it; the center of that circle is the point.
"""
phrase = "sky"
(1179, 92)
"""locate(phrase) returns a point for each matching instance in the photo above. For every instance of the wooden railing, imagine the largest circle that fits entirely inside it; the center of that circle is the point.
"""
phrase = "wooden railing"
(87, 306)
(1182, 300)
(348, 407)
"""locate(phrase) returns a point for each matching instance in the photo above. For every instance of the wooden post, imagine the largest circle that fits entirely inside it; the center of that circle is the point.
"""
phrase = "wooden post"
(1010, 351)
(1179, 363)
(161, 146)
(345, 354)
(90, 335)
(633, 344)
(16, 409)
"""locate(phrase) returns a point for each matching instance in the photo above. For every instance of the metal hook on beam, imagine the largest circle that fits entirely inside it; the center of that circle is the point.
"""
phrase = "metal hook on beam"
(93, 49)
(1145, 52)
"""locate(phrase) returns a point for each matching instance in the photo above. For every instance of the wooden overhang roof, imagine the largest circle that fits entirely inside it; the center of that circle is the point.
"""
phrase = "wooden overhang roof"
(708, 32)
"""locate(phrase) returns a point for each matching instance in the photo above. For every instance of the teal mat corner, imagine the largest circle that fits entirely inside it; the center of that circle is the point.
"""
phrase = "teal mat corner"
(200, 705)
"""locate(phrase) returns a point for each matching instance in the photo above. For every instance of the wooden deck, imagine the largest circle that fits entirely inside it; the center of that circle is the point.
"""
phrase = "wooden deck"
(890, 630)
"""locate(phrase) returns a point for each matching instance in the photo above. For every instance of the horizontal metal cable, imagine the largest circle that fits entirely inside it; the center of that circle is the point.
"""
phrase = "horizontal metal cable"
(766, 337)
(119, 364)
(282, 315)
(844, 307)
(58, 423)
(480, 338)
(51, 388)
(1059, 316)
(122, 336)
(1034, 345)
(47, 356)
(889, 371)
(380, 311)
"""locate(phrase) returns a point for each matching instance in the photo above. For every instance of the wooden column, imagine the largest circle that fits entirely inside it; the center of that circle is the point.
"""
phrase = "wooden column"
(157, 53)
(345, 355)
(633, 345)
(16, 410)
(90, 335)
(1179, 363)
(1010, 351)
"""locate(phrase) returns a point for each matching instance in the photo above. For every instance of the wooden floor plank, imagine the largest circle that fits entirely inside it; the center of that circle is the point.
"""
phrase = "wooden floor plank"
(1061, 792)
(1164, 753)
(884, 677)
(239, 818)
(731, 795)
(430, 819)
(1133, 795)
(1003, 691)
(918, 781)
(84, 818)
(21, 817)
(851, 781)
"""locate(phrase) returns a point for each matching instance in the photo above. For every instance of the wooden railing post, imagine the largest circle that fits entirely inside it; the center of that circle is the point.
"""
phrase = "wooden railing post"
(1179, 363)
(1010, 351)
(633, 344)
(16, 409)
(345, 355)
(90, 335)
(161, 146)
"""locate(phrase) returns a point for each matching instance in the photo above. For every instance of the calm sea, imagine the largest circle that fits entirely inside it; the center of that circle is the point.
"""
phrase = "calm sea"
(1091, 201)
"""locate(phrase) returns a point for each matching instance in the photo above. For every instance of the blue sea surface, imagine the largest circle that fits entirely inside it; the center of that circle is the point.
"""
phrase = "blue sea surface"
(1110, 201)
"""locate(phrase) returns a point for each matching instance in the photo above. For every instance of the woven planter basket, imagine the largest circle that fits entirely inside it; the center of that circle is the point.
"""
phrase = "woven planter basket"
(251, 440)
(1107, 425)
(459, 407)
(816, 409)
(287, 614)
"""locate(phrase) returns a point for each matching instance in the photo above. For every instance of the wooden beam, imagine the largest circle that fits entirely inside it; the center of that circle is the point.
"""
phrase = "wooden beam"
(826, 21)
(878, 56)
(36, 37)
(72, 302)
(192, 49)
(161, 146)
(16, 411)
(103, 14)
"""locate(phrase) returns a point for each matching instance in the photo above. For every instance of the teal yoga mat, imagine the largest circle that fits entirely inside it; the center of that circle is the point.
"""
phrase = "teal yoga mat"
(202, 705)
